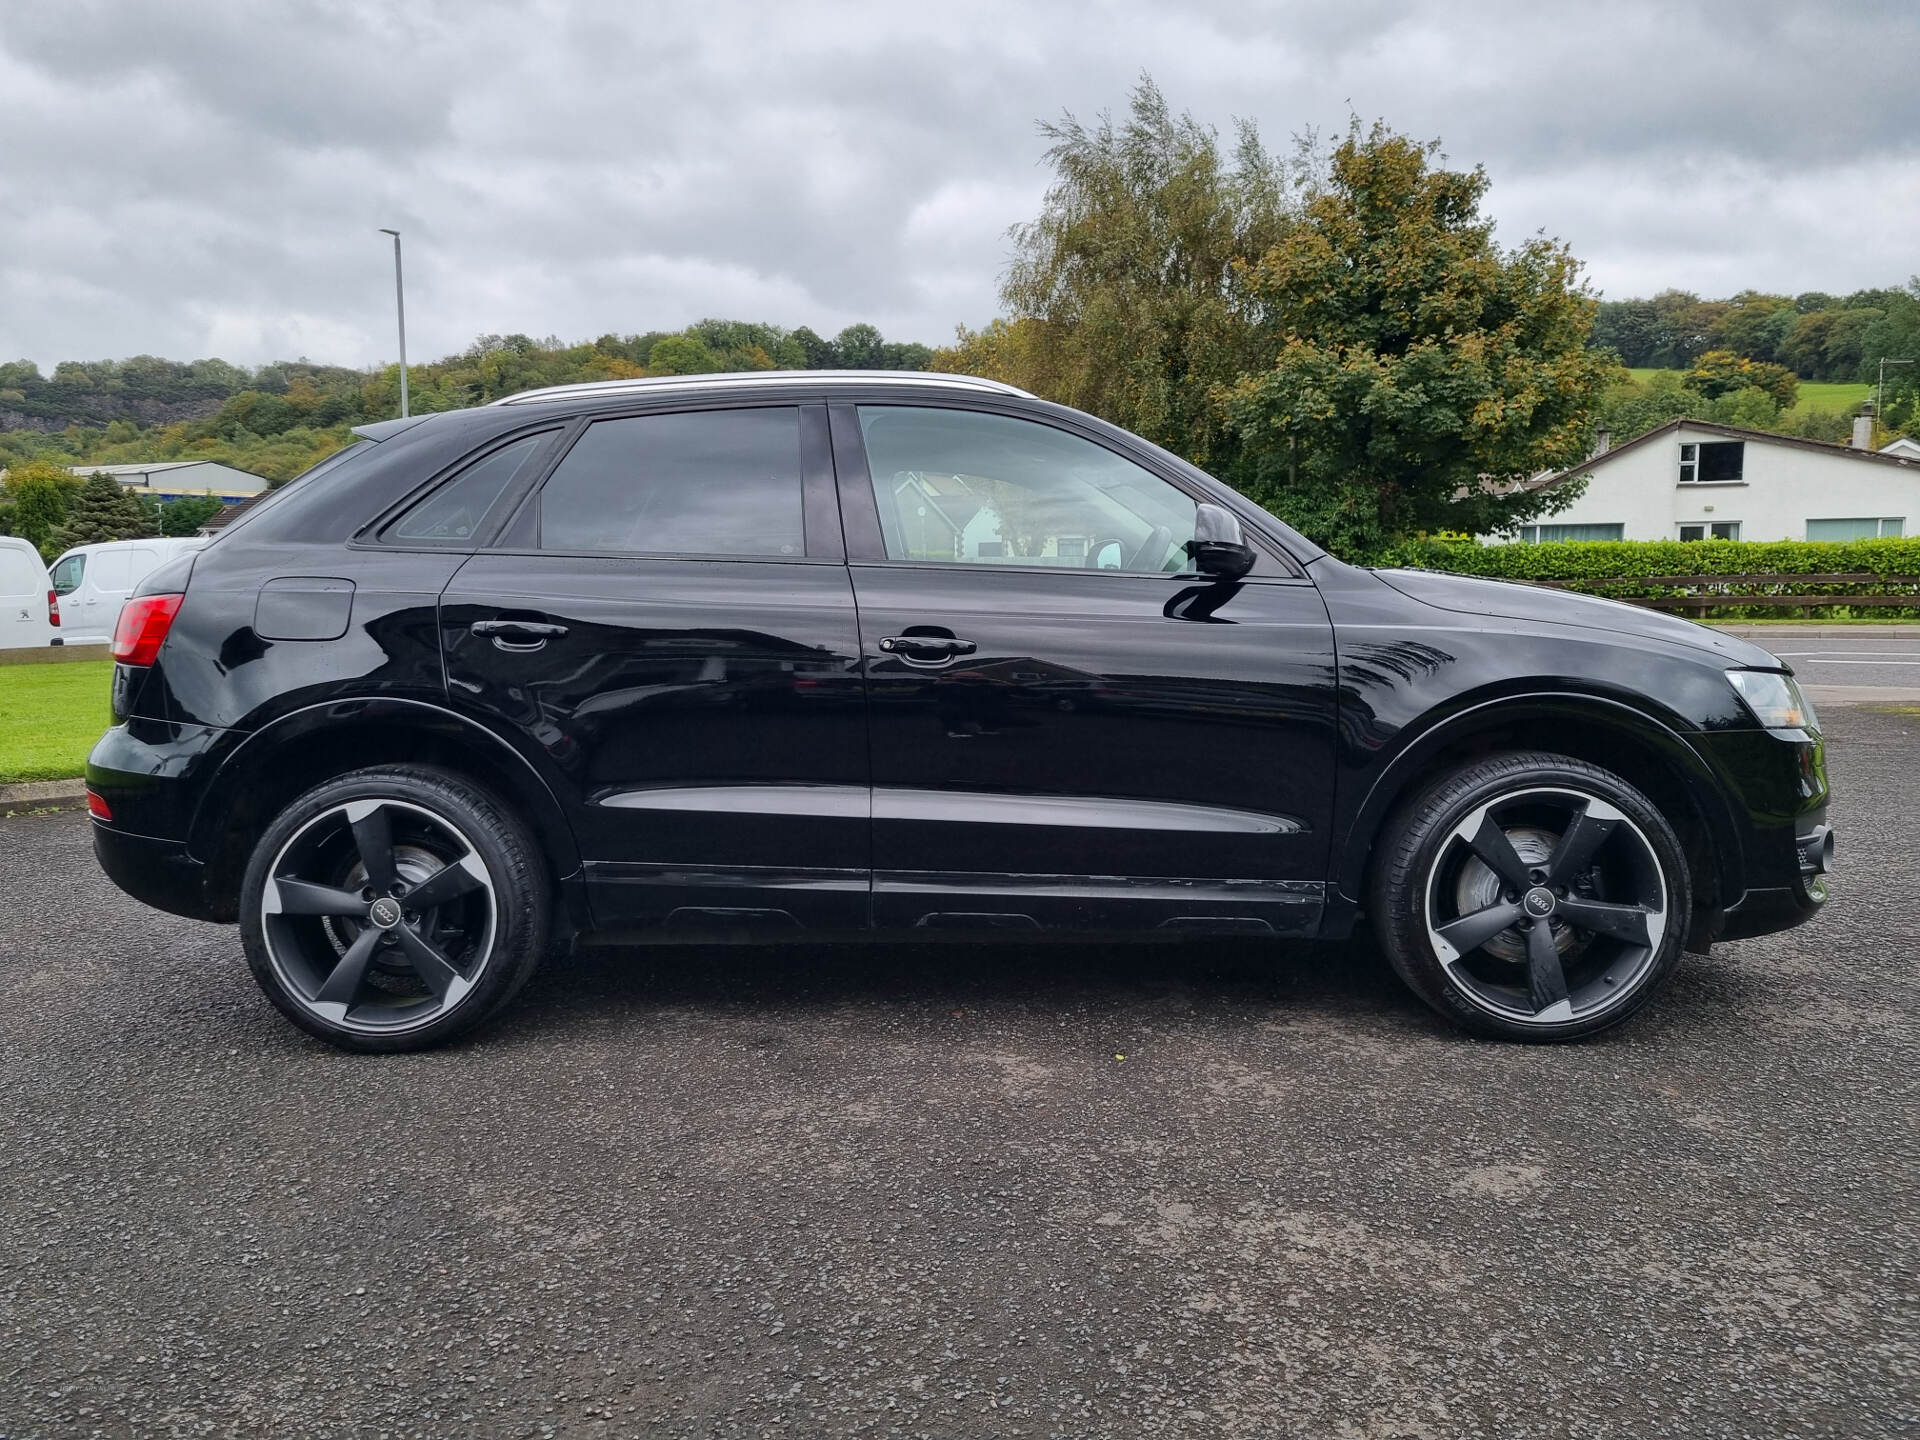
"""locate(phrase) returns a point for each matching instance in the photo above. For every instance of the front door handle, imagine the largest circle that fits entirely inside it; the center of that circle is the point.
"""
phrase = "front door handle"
(517, 634)
(927, 649)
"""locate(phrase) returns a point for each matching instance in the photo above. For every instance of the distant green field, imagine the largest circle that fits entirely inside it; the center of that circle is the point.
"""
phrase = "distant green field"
(1814, 395)
(50, 715)
(1819, 396)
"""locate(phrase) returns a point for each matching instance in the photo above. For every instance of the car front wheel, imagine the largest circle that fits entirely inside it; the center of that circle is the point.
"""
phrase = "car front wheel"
(1532, 897)
(393, 908)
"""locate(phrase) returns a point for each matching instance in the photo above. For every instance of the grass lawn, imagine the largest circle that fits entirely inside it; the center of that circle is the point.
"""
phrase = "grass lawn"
(1818, 395)
(50, 715)
(1814, 394)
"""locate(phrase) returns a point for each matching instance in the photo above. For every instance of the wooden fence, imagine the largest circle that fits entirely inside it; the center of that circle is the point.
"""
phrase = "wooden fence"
(1698, 594)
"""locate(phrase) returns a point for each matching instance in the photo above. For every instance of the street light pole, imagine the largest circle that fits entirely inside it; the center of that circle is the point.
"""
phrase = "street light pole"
(400, 310)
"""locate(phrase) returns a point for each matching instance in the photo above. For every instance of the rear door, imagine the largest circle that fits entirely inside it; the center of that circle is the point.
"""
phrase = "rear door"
(1068, 726)
(23, 597)
(670, 620)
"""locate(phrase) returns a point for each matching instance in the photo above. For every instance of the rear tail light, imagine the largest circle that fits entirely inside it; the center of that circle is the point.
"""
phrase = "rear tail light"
(98, 808)
(53, 608)
(144, 622)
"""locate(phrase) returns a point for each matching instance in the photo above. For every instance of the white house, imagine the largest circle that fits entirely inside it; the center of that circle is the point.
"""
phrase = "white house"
(1903, 447)
(1692, 480)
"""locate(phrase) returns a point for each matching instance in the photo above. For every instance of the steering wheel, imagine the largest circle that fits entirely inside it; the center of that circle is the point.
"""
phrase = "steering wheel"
(1154, 544)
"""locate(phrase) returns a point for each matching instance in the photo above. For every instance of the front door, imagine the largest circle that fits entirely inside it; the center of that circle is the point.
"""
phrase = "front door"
(1068, 726)
(670, 620)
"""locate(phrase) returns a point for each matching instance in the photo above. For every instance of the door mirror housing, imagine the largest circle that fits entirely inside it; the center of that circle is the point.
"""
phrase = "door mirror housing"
(1218, 548)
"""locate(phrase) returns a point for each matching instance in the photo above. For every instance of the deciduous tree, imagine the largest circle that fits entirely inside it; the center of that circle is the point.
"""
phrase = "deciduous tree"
(1721, 372)
(38, 495)
(1129, 289)
(1422, 370)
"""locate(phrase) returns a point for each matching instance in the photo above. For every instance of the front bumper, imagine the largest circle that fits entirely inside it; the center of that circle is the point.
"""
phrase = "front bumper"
(1764, 910)
(1777, 783)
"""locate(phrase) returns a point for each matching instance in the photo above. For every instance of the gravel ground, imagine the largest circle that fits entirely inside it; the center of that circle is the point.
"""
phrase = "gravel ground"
(919, 1191)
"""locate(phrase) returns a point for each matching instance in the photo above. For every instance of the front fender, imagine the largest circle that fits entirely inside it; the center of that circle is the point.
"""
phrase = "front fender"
(1421, 746)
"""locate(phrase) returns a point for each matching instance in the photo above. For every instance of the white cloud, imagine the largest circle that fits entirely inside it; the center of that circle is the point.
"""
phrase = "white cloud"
(182, 177)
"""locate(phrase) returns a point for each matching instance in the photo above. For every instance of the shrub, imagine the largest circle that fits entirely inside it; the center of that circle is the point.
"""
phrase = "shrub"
(1582, 563)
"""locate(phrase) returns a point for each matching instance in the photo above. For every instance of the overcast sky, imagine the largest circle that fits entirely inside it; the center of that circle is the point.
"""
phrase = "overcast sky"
(206, 179)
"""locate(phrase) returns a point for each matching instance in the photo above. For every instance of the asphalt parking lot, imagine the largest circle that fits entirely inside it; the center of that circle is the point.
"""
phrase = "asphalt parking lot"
(918, 1191)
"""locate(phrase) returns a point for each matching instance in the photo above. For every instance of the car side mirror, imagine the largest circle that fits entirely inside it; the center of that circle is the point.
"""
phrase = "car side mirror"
(1218, 548)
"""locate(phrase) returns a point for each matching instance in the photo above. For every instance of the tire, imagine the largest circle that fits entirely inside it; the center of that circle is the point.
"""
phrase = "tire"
(1518, 836)
(330, 934)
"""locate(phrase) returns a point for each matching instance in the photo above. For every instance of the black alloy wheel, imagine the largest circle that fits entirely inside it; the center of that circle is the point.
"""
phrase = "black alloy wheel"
(392, 909)
(1533, 896)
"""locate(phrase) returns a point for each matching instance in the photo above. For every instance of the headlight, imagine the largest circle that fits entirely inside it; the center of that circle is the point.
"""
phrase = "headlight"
(1776, 702)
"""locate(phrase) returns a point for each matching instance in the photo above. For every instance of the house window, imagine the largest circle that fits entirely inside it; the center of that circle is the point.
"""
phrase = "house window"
(1547, 534)
(992, 549)
(1714, 463)
(1868, 528)
(1711, 530)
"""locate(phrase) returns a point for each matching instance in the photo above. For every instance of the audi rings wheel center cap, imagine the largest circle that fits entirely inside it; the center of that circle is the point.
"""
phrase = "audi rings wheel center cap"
(385, 912)
(1538, 902)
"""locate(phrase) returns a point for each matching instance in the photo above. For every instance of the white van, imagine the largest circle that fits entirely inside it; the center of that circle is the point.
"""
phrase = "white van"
(93, 581)
(25, 596)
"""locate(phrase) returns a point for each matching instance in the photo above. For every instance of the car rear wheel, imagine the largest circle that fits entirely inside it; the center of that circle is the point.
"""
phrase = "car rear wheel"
(1532, 896)
(393, 908)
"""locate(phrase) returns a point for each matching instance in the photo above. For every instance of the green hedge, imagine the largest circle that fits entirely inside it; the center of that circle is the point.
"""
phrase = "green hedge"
(1575, 562)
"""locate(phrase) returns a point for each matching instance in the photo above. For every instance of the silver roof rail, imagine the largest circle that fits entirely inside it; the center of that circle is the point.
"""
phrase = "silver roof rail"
(813, 378)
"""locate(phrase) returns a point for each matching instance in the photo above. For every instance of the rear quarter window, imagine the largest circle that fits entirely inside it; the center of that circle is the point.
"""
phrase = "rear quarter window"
(456, 511)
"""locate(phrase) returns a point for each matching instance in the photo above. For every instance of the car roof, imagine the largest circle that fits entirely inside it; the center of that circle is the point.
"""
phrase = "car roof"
(757, 379)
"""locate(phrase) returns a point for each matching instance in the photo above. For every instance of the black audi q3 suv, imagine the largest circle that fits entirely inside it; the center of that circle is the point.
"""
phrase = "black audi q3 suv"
(846, 652)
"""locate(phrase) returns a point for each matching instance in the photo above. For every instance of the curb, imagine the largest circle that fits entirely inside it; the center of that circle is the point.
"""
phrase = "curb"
(1816, 631)
(54, 654)
(44, 792)
(1832, 697)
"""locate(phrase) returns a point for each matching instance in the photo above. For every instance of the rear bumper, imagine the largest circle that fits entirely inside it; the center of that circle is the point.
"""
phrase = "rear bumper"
(159, 873)
(149, 774)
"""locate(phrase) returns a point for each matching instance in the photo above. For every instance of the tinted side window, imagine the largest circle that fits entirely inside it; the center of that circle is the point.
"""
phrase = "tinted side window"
(452, 513)
(961, 486)
(709, 482)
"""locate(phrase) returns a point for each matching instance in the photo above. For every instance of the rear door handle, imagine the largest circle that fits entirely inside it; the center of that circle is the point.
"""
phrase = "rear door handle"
(517, 634)
(927, 649)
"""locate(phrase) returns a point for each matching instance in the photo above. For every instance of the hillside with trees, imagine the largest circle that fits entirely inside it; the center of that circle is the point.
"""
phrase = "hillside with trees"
(1748, 359)
(277, 420)
(280, 419)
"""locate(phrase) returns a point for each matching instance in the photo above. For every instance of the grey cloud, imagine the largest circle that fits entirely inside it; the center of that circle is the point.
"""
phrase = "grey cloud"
(193, 176)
